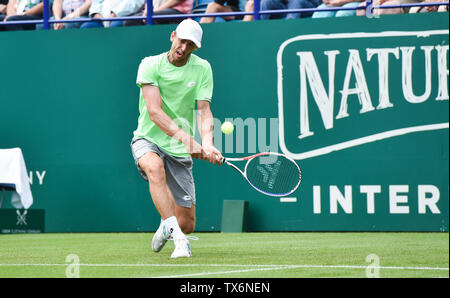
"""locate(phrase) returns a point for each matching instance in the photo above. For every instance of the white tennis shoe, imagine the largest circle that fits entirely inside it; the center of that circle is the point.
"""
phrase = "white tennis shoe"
(160, 238)
(182, 248)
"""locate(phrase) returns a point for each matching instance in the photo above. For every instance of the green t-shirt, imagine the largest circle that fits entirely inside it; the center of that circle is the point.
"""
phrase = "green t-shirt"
(180, 88)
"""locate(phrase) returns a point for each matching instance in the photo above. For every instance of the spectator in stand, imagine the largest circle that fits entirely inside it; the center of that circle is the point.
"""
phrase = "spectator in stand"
(167, 7)
(440, 8)
(3, 4)
(380, 11)
(288, 4)
(112, 9)
(231, 6)
(69, 9)
(337, 13)
(164, 7)
(22, 10)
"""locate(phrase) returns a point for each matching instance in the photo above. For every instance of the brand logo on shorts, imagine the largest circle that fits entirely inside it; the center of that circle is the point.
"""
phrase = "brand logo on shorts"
(191, 84)
(187, 198)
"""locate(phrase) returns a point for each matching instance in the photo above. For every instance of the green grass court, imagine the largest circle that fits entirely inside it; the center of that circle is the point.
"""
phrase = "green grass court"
(228, 255)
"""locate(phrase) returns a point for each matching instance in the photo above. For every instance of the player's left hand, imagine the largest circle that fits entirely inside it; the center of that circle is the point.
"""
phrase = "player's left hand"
(211, 154)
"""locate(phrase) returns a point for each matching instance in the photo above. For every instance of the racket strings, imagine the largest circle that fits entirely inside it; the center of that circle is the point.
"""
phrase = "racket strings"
(274, 175)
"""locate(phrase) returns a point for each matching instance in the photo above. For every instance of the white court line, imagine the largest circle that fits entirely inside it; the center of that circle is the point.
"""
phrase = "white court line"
(281, 267)
(149, 265)
(222, 272)
(262, 266)
(253, 267)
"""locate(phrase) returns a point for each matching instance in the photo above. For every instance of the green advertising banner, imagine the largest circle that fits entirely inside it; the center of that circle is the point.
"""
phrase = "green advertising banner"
(17, 221)
(360, 103)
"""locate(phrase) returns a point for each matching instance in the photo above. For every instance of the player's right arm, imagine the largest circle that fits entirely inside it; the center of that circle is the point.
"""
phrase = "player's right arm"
(154, 104)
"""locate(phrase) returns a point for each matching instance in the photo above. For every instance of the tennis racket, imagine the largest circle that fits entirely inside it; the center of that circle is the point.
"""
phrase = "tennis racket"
(273, 174)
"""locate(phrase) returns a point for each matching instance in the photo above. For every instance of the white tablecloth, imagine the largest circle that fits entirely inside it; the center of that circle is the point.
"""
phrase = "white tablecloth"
(14, 171)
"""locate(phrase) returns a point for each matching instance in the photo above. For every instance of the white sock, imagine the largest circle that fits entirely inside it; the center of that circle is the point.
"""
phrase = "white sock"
(172, 225)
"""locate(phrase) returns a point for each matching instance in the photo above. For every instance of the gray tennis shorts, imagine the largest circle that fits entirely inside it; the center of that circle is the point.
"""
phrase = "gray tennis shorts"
(179, 176)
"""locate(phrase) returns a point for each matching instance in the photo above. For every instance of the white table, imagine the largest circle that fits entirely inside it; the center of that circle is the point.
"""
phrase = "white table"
(14, 176)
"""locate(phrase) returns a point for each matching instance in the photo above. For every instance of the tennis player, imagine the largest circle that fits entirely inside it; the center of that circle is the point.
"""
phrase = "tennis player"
(172, 85)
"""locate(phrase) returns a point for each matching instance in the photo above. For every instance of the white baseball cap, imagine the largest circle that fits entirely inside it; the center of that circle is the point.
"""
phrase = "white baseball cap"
(190, 30)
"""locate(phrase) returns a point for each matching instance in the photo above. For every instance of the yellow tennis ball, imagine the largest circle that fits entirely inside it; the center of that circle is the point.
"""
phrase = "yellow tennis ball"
(227, 127)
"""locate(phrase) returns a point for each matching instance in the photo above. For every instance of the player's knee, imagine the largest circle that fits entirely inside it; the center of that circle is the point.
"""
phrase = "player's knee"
(155, 171)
